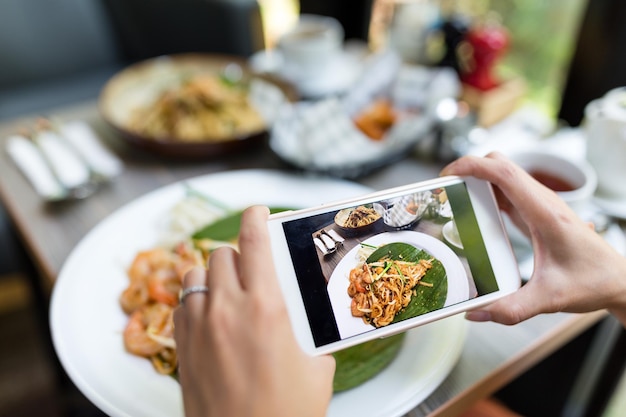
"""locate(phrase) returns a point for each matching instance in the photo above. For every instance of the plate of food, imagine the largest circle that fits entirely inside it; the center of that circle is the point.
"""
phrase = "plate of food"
(91, 313)
(437, 278)
(192, 105)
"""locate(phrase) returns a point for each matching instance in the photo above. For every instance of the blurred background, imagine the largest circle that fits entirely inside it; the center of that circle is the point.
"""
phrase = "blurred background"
(66, 50)
(58, 52)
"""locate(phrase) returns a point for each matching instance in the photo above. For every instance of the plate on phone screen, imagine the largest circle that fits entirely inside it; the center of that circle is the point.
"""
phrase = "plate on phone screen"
(458, 285)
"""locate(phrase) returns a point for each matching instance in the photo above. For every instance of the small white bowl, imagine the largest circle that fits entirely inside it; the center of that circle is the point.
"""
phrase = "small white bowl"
(580, 175)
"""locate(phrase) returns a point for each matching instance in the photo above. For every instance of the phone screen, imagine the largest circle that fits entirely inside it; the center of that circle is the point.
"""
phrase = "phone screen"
(369, 266)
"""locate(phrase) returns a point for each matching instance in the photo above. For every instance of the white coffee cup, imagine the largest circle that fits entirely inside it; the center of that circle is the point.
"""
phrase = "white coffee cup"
(310, 45)
(574, 181)
(579, 176)
(605, 128)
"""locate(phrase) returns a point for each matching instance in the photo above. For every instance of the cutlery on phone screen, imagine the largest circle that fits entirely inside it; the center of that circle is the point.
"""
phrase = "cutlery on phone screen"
(334, 235)
(318, 242)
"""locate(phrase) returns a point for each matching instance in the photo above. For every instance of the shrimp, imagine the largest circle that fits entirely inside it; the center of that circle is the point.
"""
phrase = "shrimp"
(354, 309)
(356, 278)
(188, 257)
(164, 286)
(134, 296)
(148, 261)
(142, 327)
(359, 305)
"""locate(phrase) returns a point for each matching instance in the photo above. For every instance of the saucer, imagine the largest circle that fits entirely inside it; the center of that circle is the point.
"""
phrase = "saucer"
(451, 234)
(336, 77)
(612, 206)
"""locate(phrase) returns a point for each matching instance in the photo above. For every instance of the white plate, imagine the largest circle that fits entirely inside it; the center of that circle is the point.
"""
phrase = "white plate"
(87, 322)
(428, 355)
(348, 325)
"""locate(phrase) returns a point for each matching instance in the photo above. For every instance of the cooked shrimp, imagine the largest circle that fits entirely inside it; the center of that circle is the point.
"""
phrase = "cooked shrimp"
(143, 325)
(146, 262)
(379, 290)
(164, 287)
(136, 339)
(134, 296)
(188, 257)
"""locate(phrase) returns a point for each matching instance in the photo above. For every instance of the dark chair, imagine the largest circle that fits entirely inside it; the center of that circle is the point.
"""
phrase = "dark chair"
(61, 52)
(354, 15)
(146, 29)
(53, 53)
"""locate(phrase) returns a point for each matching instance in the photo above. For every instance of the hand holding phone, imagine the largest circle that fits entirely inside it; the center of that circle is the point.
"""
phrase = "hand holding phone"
(380, 264)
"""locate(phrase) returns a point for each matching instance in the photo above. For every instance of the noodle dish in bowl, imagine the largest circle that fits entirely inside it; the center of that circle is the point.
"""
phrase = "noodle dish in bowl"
(192, 105)
(362, 219)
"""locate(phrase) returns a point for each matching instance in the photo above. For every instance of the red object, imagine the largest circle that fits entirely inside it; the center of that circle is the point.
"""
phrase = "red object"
(488, 43)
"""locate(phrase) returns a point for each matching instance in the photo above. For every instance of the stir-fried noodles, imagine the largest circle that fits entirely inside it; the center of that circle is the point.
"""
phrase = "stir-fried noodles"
(202, 108)
(381, 289)
(361, 216)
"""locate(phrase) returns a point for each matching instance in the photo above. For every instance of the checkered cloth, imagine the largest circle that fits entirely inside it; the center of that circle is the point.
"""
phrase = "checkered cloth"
(397, 214)
(322, 135)
(267, 99)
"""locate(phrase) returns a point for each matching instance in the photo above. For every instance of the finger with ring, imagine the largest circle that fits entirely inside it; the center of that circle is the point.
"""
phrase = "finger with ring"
(190, 290)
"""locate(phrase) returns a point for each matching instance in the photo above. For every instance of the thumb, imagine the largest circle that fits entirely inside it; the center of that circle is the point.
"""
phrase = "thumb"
(512, 309)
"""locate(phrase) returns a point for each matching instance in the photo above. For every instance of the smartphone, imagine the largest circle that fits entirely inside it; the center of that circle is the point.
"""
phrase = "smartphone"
(380, 264)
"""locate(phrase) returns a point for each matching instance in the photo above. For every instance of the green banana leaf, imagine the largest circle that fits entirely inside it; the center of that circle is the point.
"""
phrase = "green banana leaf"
(359, 363)
(226, 228)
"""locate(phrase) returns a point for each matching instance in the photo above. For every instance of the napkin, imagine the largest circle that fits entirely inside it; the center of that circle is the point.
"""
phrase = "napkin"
(29, 160)
(322, 135)
(63, 160)
(88, 145)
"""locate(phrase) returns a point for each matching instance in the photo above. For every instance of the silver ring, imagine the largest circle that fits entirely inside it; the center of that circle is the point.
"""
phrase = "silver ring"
(190, 290)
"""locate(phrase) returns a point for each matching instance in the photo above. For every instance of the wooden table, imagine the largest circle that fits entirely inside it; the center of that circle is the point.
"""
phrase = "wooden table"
(493, 355)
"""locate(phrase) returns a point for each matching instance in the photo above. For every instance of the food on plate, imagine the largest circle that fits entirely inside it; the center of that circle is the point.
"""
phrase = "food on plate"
(357, 217)
(376, 119)
(154, 282)
(380, 289)
(383, 287)
(203, 107)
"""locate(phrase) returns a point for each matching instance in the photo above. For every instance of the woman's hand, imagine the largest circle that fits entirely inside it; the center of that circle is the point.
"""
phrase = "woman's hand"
(575, 269)
(237, 353)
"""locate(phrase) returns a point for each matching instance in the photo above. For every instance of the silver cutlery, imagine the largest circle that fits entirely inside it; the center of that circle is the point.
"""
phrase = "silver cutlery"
(334, 235)
(321, 246)
(328, 241)
(68, 168)
(63, 161)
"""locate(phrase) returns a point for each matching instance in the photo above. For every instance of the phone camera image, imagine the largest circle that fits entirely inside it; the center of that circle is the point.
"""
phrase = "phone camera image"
(372, 265)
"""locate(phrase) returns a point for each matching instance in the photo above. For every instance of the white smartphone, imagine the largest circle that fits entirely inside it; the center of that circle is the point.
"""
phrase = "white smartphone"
(380, 264)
